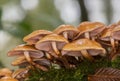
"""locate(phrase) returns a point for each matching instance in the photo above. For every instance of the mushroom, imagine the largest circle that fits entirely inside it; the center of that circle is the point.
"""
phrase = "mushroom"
(22, 61)
(29, 52)
(43, 62)
(52, 44)
(116, 33)
(106, 35)
(8, 79)
(90, 29)
(110, 37)
(5, 72)
(35, 36)
(83, 47)
(68, 31)
(19, 51)
(20, 74)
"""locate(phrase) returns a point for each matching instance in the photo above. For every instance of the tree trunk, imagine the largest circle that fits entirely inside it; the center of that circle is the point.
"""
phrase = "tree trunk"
(108, 10)
(84, 13)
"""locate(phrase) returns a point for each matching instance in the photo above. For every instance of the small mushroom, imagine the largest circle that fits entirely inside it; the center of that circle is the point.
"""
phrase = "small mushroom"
(116, 33)
(90, 29)
(110, 37)
(29, 52)
(19, 50)
(8, 79)
(43, 62)
(106, 35)
(52, 44)
(83, 47)
(20, 74)
(5, 72)
(35, 36)
(68, 31)
(22, 61)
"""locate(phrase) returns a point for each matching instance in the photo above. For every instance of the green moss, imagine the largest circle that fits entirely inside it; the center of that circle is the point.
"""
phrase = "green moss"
(84, 69)
(116, 63)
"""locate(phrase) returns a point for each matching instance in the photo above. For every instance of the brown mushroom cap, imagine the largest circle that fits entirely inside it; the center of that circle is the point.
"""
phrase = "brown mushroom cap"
(35, 36)
(8, 79)
(71, 30)
(43, 62)
(116, 33)
(45, 43)
(94, 28)
(106, 34)
(20, 72)
(19, 50)
(89, 26)
(110, 34)
(21, 61)
(5, 72)
(74, 48)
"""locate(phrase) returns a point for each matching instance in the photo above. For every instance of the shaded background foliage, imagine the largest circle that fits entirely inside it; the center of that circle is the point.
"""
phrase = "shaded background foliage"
(20, 17)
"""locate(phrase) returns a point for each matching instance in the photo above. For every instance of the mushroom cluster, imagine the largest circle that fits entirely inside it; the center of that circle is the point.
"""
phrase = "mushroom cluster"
(66, 46)
(18, 75)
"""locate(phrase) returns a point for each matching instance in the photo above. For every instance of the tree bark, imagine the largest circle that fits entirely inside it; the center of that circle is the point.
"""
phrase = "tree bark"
(1, 27)
(84, 13)
(108, 10)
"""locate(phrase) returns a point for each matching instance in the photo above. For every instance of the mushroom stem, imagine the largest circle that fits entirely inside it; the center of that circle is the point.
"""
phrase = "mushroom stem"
(76, 37)
(86, 55)
(87, 35)
(40, 67)
(117, 44)
(113, 57)
(65, 34)
(65, 62)
(54, 46)
(112, 41)
(27, 56)
(48, 56)
(93, 38)
(114, 48)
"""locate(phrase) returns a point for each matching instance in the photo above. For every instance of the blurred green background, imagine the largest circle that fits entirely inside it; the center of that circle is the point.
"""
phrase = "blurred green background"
(20, 17)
